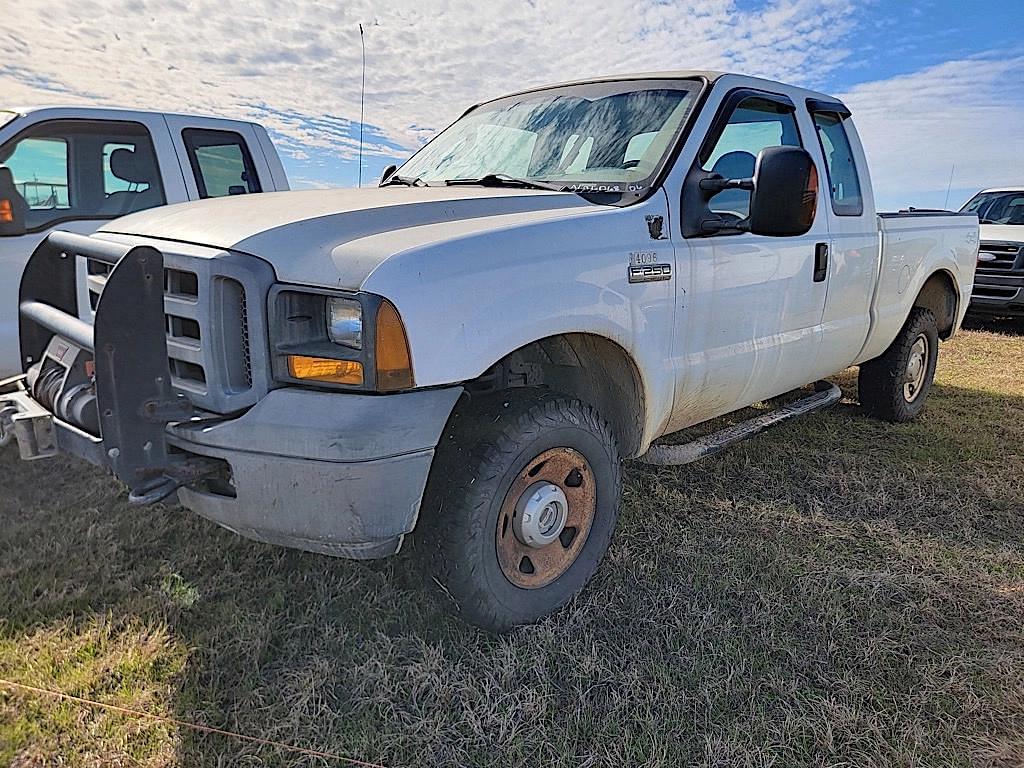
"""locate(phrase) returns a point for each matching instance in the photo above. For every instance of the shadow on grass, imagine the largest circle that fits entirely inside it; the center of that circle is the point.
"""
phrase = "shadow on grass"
(835, 589)
(1008, 326)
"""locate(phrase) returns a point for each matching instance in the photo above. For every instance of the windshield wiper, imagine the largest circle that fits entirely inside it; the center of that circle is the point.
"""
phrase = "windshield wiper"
(409, 181)
(504, 180)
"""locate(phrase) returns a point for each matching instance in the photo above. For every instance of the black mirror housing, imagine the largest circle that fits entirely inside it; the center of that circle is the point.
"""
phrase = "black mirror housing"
(387, 172)
(785, 196)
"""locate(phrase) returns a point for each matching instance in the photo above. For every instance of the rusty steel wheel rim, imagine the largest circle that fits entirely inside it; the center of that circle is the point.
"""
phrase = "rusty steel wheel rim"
(917, 368)
(557, 476)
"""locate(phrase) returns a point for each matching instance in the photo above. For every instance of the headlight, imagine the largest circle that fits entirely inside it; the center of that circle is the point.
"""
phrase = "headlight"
(345, 322)
(354, 341)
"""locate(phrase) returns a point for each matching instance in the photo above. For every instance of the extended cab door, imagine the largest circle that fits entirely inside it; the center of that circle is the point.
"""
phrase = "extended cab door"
(219, 157)
(751, 325)
(852, 265)
(59, 169)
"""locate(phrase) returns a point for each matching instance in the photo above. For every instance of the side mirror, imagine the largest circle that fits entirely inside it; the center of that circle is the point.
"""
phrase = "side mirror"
(387, 172)
(785, 195)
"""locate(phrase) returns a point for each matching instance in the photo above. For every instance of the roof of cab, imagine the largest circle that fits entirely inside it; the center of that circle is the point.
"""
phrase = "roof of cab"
(99, 111)
(680, 74)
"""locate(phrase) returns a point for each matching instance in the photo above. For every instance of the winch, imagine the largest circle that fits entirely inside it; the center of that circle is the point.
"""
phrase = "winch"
(64, 383)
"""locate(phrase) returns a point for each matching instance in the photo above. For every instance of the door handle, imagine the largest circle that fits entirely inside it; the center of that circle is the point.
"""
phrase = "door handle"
(820, 262)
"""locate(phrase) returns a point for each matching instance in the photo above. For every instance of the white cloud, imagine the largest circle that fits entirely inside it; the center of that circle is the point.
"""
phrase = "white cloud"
(290, 64)
(916, 127)
(294, 66)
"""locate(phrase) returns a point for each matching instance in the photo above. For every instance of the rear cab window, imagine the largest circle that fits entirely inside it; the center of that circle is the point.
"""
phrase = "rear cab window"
(221, 163)
(65, 170)
(843, 178)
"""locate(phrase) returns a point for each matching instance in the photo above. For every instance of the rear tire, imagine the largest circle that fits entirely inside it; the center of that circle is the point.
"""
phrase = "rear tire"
(498, 561)
(895, 385)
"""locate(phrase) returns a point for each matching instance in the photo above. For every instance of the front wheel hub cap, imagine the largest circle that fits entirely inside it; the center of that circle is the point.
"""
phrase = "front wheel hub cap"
(545, 517)
(541, 513)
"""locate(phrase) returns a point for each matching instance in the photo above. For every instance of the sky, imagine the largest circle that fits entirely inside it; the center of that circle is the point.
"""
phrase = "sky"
(936, 87)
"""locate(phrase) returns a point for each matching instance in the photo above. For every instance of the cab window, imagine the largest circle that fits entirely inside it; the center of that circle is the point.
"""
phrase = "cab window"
(220, 162)
(843, 180)
(39, 167)
(754, 124)
(77, 169)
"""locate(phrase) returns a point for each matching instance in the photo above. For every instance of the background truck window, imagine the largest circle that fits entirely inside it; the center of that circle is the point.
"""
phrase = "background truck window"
(40, 170)
(754, 124)
(113, 183)
(843, 180)
(220, 162)
(997, 207)
(76, 169)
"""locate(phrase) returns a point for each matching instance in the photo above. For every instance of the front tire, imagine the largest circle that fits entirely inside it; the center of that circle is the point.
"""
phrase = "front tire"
(521, 505)
(895, 385)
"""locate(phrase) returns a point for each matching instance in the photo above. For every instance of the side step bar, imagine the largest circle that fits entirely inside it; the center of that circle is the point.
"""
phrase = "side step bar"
(826, 394)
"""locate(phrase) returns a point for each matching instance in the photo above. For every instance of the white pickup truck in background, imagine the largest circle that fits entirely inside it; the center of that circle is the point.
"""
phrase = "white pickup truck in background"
(77, 167)
(468, 351)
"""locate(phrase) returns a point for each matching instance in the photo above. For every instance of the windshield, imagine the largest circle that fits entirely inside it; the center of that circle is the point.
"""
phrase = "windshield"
(597, 137)
(997, 207)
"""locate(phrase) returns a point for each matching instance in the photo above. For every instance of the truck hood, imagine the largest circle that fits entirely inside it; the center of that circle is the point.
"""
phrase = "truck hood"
(336, 238)
(1013, 233)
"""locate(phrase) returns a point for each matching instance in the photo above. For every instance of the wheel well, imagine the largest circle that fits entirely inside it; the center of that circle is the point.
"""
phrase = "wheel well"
(939, 294)
(592, 368)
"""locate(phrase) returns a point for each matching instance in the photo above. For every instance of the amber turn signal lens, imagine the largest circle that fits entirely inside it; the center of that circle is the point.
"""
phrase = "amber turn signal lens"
(6, 212)
(394, 365)
(325, 369)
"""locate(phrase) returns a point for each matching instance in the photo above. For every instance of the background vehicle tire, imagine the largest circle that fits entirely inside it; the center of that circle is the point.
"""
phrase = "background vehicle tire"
(895, 385)
(520, 507)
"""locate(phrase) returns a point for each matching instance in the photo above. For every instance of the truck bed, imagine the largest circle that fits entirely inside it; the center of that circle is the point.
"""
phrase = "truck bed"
(913, 245)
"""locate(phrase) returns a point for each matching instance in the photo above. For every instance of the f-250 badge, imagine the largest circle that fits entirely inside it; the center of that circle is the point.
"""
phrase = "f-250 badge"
(644, 268)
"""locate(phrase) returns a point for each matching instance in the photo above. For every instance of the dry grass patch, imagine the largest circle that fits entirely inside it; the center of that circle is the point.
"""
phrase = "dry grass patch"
(836, 592)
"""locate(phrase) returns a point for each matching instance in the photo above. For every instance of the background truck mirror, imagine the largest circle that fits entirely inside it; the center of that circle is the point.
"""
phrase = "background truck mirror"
(387, 172)
(785, 195)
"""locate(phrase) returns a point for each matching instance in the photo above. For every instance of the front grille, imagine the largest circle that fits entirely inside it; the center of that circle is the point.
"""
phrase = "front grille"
(215, 334)
(999, 257)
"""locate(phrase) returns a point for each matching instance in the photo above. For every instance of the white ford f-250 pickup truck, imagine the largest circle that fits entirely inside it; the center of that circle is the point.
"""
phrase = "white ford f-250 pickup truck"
(468, 351)
(75, 168)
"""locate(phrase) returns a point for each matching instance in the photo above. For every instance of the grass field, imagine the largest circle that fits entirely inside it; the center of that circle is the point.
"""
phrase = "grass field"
(837, 592)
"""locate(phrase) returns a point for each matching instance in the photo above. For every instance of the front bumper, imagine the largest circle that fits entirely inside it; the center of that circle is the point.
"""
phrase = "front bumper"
(335, 473)
(998, 295)
(338, 473)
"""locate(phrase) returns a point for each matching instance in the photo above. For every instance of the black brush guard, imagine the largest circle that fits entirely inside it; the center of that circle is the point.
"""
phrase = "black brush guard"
(134, 395)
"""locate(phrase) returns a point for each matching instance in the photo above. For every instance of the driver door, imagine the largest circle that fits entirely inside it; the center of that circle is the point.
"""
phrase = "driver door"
(750, 327)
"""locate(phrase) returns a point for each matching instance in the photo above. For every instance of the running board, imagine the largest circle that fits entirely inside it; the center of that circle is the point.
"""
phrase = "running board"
(826, 394)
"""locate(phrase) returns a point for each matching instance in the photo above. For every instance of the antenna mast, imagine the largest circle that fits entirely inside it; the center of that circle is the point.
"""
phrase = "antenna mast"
(362, 95)
(949, 186)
